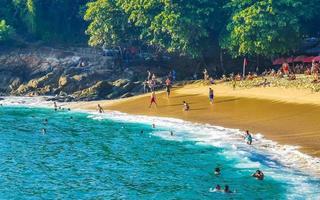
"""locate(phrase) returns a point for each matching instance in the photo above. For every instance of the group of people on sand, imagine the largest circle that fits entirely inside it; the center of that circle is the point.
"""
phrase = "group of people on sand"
(186, 107)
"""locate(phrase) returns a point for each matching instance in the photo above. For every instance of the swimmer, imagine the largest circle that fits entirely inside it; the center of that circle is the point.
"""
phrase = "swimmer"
(217, 188)
(141, 132)
(71, 118)
(100, 109)
(248, 138)
(171, 133)
(258, 175)
(44, 131)
(153, 126)
(69, 109)
(217, 171)
(226, 189)
(45, 121)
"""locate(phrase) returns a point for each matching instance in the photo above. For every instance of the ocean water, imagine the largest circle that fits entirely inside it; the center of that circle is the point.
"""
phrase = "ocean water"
(116, 156)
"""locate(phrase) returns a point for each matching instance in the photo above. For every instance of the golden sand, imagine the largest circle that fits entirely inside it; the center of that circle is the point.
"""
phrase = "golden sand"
(288, 116)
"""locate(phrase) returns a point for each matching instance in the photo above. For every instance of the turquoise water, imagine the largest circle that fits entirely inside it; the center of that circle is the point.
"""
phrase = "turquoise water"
(85, 158)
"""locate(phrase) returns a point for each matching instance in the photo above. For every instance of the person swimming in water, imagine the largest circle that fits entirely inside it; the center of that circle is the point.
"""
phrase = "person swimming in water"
(100, 109)
(258, 175)
(171, 133)
(217, 171)
(217, 188)
(44, 131)
(45, 121)
(248, 137)
(226, 189)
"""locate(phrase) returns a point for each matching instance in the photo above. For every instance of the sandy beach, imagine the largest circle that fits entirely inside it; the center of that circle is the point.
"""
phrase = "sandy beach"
(288, 116)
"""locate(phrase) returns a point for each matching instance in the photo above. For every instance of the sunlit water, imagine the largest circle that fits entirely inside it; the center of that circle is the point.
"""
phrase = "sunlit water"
(80, 157)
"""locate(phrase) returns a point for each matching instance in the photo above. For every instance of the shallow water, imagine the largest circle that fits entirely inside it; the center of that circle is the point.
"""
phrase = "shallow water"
(89, 157)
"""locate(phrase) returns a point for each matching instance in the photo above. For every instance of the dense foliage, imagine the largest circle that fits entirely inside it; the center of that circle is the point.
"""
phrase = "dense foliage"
(243, 27)
(191, 27)
(54, 20)
(5, 31)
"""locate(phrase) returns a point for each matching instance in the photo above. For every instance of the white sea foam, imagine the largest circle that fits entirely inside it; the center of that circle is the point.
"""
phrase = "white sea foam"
(269, 152)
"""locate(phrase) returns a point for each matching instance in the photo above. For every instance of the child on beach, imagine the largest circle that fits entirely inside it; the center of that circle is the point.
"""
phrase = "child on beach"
(211, 95)
(185, 106)
(153, 99)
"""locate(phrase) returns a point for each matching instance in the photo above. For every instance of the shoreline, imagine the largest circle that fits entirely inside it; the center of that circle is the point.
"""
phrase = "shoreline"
(288, 155)
(281, 115)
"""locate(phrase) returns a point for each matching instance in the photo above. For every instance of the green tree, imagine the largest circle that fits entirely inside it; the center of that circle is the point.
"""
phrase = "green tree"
(5, 31)
(108, 24)
(266, 27)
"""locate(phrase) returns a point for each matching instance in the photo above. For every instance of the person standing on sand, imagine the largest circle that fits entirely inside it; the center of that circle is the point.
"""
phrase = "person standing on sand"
(211, 95)
(153, 99)
(149, 75)
(100, 109)
(168, 86)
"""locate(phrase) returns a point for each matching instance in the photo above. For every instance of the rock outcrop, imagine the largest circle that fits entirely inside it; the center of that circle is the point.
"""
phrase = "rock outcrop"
(76, 74)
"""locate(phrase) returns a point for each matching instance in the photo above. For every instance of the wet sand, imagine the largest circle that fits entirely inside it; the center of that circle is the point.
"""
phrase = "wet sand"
(288, 116)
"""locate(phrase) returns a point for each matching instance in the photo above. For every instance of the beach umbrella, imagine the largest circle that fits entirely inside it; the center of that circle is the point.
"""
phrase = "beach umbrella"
(279, 61)
(316, 59)
(299, 58)
(290, 60)
(308, 59)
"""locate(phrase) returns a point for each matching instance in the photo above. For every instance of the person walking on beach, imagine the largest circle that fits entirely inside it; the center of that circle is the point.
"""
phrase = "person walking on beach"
(100, 109)
(55, 106)
(211, 95)
(248, 138)
(153, 99)
(168, 86)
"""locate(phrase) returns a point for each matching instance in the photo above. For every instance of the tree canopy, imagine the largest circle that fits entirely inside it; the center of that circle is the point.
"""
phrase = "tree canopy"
(188, 27)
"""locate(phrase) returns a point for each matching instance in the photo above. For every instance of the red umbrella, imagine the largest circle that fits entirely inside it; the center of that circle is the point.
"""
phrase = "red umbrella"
(299, 58)
(308, 59)
(279, 61)
(316, 59)
(290, 60)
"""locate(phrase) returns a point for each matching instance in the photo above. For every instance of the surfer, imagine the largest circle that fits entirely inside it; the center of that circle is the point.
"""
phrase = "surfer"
(258, 175)
(248, 138)
(100, 109)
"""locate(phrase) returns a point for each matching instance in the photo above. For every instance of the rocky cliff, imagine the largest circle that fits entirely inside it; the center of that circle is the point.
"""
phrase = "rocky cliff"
(74, 73)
